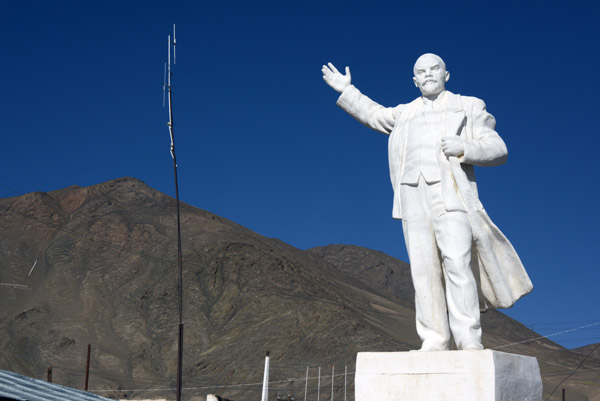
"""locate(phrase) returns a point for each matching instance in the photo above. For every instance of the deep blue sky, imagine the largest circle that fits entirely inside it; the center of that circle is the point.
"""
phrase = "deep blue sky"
(260, 140)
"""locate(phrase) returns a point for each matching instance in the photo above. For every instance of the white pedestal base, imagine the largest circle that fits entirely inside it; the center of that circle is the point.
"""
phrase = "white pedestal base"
(447, 376)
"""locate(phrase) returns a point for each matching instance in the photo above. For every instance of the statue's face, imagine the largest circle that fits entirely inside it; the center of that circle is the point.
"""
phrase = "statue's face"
(430, 75)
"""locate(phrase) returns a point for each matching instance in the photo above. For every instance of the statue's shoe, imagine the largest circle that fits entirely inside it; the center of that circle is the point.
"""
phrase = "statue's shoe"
(474, 346)
(430, 348)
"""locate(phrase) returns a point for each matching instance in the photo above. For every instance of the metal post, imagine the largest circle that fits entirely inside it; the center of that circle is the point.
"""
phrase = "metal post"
(332, 378)
(265, 389)
(171, 124)
(563, 392)
(49, 374)
(87, 368)
(180, 360)
(319, 386)
(306, 384)
(345, 381)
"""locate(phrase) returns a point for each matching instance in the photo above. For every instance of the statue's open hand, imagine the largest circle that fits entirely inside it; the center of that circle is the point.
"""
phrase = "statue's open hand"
(334, 78)
(453, 146)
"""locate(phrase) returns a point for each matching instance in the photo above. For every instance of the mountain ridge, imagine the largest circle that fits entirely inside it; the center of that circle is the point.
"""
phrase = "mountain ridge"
(106, 275)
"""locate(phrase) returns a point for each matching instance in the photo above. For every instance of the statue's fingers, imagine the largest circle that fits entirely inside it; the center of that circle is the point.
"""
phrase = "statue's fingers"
(333, 68)
(347, 70)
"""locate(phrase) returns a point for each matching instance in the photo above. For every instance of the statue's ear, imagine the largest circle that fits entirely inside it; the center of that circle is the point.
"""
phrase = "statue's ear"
(415, 81)
(447, 76)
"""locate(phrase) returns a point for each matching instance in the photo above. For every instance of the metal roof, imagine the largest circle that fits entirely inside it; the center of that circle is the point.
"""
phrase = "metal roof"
(22, 388)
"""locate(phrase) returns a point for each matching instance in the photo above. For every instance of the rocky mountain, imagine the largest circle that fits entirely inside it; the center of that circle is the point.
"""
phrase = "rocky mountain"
(593, 350)
(97, 265)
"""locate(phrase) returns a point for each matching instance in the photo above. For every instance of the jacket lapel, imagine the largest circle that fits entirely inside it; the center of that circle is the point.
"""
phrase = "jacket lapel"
(455, 115)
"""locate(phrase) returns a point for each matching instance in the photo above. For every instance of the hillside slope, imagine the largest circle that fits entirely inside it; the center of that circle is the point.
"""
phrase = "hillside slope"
(106, 275)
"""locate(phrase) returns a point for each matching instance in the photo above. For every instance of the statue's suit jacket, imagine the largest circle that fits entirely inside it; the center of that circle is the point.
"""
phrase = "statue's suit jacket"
(499, 270)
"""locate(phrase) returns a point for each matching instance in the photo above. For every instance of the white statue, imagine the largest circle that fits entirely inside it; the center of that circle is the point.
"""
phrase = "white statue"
(434, 142)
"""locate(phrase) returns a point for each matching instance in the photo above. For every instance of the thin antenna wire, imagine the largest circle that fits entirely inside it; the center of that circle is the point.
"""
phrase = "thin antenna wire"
(164, 85)
(170, 124)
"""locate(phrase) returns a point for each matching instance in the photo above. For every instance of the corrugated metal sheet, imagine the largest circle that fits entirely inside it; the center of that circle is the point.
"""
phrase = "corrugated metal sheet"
(23, 388)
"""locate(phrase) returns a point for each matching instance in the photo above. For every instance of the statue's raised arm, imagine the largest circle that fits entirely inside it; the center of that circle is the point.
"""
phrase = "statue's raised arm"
(336, 79)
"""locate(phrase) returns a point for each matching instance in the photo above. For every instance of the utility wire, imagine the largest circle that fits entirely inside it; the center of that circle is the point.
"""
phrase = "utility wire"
(581, 339)
(551, 323)
(549, 335)
(10, 189)
(224, 386)
(573, 372)
(564, 372)
(351, 373)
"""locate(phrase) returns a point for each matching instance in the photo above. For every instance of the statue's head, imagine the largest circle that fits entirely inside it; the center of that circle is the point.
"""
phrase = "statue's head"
(430, 75)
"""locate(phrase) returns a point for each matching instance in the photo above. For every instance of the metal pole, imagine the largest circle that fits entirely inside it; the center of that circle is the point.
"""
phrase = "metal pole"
(87, 368)
(179, 252)
(49, 374)
(306, 384)
(319, 386)
(563, 392)
(345, 380)
(265, 389)
(332, 378)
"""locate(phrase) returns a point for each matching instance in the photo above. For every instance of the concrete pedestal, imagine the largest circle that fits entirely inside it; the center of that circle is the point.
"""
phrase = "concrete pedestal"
(447, 376)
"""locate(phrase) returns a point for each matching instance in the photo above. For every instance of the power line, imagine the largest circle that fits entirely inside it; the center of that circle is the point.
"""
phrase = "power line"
(580, 339)
(549, 335)
(11, 190)
(564, 372)
(573, 372)
(223, 386)
(551, 323)
(293, 380)
(561, 328)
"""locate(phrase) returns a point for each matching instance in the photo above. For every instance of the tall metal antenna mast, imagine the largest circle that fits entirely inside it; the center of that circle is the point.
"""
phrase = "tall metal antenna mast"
(167, 85)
